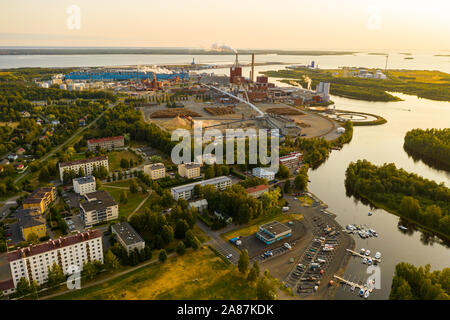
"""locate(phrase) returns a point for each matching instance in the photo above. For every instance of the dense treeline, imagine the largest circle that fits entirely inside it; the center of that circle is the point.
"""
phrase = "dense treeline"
(430, 144)
(316, 150)
(406, 194)
(412, 283)
(125, 119)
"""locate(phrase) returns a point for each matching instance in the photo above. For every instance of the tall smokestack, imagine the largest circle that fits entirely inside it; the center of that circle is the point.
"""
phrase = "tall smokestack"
(252, 75)
(236, 59)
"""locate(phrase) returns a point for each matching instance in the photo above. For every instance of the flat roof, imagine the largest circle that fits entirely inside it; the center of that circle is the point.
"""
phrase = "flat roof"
(83, 180)
(97, 200)
(127, 233)
(82, 161)
(189, 186)
(275, 228)
(155, 166)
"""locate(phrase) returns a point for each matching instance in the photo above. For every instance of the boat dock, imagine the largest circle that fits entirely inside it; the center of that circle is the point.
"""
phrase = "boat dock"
(353, 284)
(363, 256)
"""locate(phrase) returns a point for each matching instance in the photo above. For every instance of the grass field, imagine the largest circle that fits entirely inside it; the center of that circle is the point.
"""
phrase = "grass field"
(122, 183)
(114, 158)
(198, 275)
(134, 199)
(253, 227)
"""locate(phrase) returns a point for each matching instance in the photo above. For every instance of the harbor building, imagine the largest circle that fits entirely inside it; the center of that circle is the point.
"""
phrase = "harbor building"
(273, 231)
(128, 237)
(108, 143)
(33, 262)
(155, 171)
(88, 165)
(98, 207)
(186, 191)
(84, 185)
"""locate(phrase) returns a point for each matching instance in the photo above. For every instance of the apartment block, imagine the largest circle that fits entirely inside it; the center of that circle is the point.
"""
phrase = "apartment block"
(98, 207)
(108, 143)
(128, 237)
(40, 199)
(88, 165)
(84, 185)
(155, 171)
(34, 261)
(186, 191)
(189, 170)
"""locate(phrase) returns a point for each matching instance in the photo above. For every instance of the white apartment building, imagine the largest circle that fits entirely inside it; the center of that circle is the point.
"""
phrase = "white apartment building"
(264, 173)
(189, 170)
(88, 165)
(84, 185)
(128, 237)
(33, 262)
(98, 207)
(155, 171)
(186, 191)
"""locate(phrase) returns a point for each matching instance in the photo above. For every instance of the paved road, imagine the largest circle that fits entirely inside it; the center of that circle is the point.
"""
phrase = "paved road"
(221, 245)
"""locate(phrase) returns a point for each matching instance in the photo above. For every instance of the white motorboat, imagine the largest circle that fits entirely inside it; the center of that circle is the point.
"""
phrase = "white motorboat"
(363, 250)
(378, 255)
(364, 261)
(367, 252)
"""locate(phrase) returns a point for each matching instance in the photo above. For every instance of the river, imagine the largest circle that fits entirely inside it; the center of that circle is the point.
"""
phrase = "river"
(378, 144)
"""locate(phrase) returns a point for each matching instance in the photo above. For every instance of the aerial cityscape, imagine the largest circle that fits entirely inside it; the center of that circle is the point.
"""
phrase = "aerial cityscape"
(178, 167)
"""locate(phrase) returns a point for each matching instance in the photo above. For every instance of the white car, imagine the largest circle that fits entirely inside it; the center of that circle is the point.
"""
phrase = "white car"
(229, 256)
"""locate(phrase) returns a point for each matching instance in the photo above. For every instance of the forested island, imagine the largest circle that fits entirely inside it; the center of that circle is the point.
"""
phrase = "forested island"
(431, 145)
(407, 195)
(433, 85)
(412, 283)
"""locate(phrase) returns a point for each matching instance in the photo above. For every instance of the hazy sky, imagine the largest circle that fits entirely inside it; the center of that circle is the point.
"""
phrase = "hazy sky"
(283, 24)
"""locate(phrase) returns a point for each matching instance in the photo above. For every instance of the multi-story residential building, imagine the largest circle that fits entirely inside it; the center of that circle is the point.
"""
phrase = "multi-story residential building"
(84, 185)
(88, 165)
(155, 171)
(40, 199)
(186, 191)
(128, 237)
(189, 170)
(108, 143)
(257, 191)
(292, 160)
(33, 262)
(264, 173)
(98, 207)
(30, 221)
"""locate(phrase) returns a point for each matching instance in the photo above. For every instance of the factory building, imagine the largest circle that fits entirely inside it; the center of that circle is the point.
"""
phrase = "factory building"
(186, 191)
(123, 75)
(273, 231)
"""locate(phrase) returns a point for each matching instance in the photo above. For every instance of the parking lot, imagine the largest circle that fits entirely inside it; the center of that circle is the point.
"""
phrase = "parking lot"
(257, 249)
(75, 223)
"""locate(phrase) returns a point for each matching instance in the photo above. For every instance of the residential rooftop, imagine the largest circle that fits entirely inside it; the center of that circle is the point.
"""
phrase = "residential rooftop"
(127, 233)
(97, 200)
(53, 244)
(189, 186)
(84, 180)
(82, 161)
(105, 139)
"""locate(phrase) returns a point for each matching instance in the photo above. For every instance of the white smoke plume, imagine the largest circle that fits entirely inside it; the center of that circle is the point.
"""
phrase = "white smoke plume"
(222, 47)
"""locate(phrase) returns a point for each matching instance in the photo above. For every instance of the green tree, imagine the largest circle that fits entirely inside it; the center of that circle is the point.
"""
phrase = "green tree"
(265, 289)
(44, 175)
(124, 163)
(23, 287)
(55, 275)
(162, 256)
(243, 262)
(89, 270)
(123, 197)
(181, 248)
(134, 188)
(111, 261)
(287, 186)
